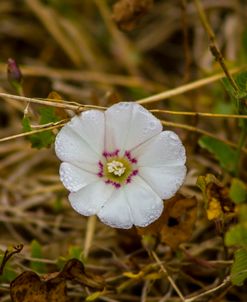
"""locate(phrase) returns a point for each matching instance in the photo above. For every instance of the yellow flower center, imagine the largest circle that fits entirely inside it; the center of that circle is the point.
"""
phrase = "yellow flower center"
(117, 170)
(116, 167)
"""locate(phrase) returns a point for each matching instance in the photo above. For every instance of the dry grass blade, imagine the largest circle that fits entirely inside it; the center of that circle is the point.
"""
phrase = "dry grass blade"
(80, 55)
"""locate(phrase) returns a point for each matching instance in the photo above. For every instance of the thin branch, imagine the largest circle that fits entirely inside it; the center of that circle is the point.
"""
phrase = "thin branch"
(226, 282)
(156, 258)
(51, 102)
(213, 46)
(201, 131)
(58, 125)
(196, 114)
(81, 107)
(185, 88)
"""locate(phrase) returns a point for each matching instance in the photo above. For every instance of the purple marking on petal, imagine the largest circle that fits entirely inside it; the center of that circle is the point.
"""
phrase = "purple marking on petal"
(105, 154)
(111, 154)
(115, 184)
(135, 172)
(130, 158)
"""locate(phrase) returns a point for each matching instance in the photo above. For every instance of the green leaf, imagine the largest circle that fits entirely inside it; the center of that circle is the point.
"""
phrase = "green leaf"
(75, 252)
(228, 87)
(239, 96)
(243, 50)
(243, 214)
(26, 124)
(223, 107)
(47, 115)
(8, 272)
(238, 191)
(57, 205)
(36, 252)
(239, 267)
(222, 152)
(237, 235)
(45, 138)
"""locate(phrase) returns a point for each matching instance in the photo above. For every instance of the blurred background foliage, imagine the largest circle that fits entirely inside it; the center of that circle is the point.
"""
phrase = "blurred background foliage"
(98, 52)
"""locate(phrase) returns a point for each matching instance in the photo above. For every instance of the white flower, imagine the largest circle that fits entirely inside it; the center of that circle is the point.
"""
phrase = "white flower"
(119, 165)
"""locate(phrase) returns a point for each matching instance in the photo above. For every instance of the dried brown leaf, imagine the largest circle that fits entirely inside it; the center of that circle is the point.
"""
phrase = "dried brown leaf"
(216, 196)
(127, 13)
(180, 220)
(176, 223)
(53, 95)
(29, 287)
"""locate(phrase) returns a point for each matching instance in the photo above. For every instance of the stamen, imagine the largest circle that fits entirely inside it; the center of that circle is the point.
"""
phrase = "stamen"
(116, 167)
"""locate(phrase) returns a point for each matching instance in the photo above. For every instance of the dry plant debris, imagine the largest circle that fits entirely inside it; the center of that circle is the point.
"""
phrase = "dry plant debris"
(29, 286)
(183, 60)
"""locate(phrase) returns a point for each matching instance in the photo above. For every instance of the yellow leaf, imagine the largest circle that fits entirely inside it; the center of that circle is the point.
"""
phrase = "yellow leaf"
(132, 275)
(218, 204)
(214, 209)
(95, 296)
(154, 276)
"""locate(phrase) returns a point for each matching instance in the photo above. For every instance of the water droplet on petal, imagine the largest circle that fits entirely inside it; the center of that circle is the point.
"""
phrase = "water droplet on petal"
(145, 130)
(124, 105)
(142, 109)
(152, 125)
(173, 136)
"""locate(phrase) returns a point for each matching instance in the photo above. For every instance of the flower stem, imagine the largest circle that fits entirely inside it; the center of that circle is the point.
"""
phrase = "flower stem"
(91, 223)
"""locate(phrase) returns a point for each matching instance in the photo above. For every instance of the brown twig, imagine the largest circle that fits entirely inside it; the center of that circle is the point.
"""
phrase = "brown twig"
(187, 54)
(226, 282)
(156, 258)
(8, 254)
(201, 131)
(185, 88)
(213, 45)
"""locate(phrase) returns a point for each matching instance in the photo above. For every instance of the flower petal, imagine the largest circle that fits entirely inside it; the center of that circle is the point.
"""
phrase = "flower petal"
(74, 178)
(128, 124)
(164, 180)
(70, 147)
(145, 205)
(90, 126)
(116, 212)
(165, 149)
(89, 200)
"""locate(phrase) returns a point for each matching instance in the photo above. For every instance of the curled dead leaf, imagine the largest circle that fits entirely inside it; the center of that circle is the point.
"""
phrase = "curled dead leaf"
(61, 112)
(29, 287)
(176, 223)
(126, 13)
(218, 204)
(8, 254)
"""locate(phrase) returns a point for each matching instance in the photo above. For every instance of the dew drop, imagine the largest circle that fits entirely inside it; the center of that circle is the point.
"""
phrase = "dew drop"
(173, 136)
(124, 105)
(145, 130)
(142, 109)
(152, 125)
